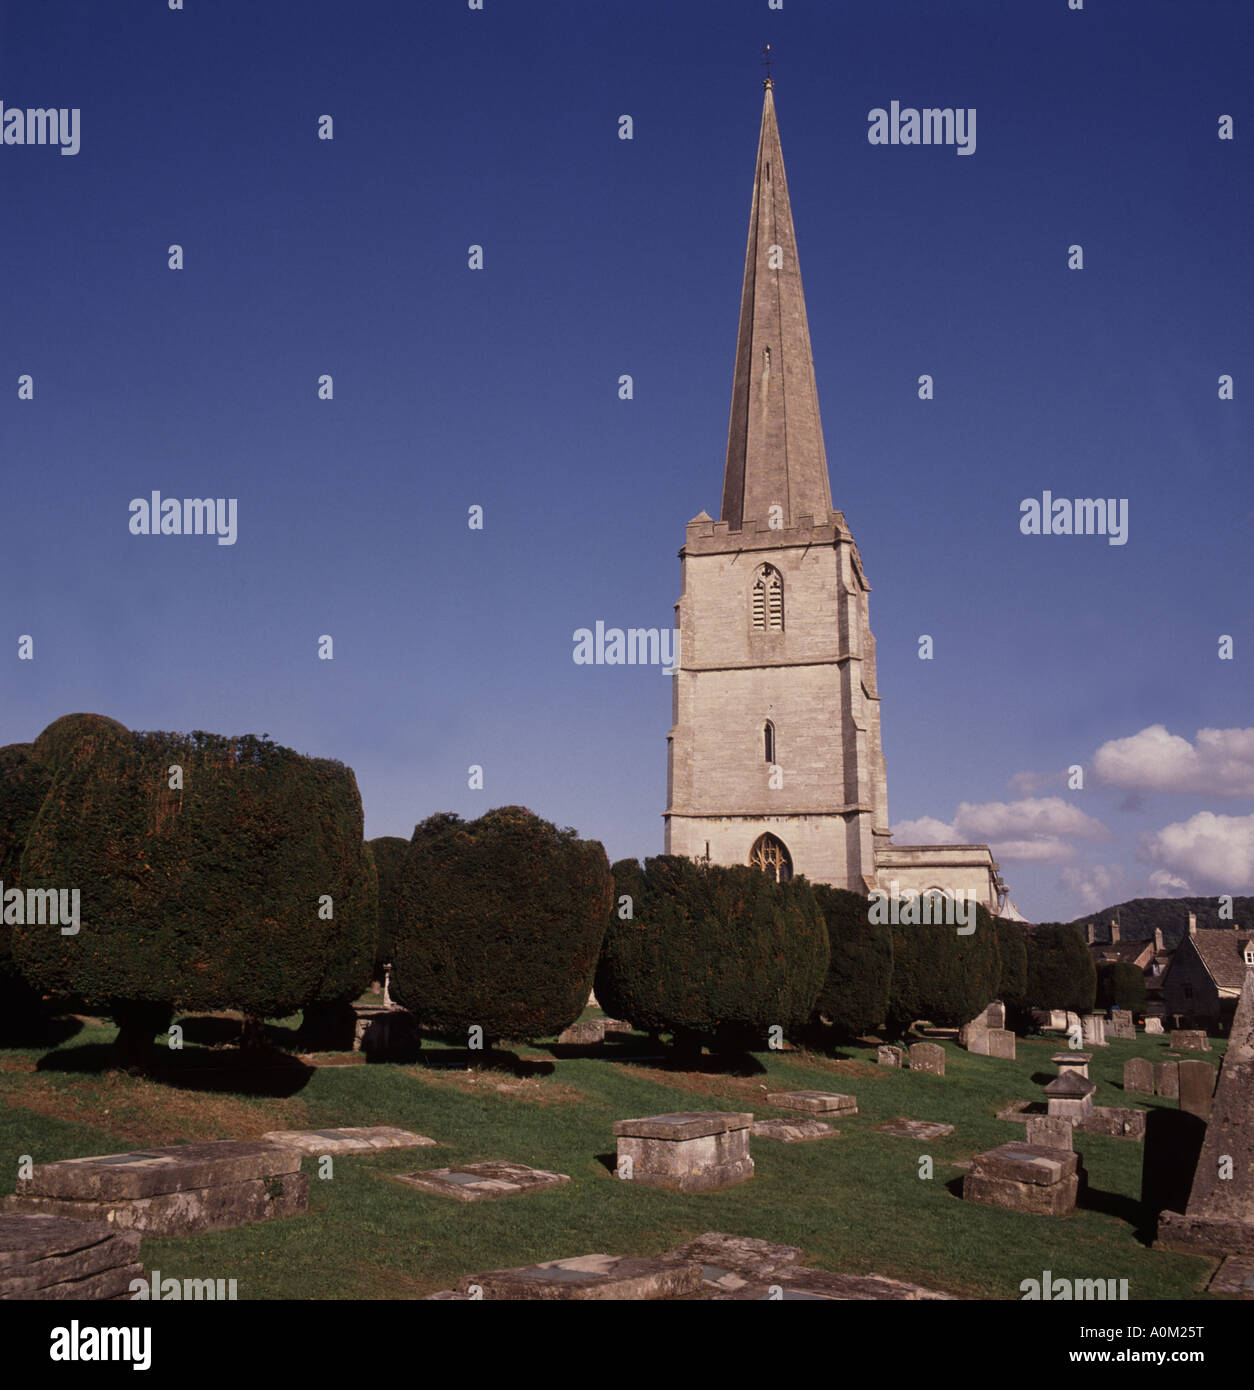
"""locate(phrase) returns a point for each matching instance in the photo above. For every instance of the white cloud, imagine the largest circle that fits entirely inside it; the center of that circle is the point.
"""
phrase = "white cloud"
(1168, 885)
(1047, 848)
(927, 830)
(1029, 783)
(1214, 850)
(1033, 818)
(1219, 763)
(1094, 885)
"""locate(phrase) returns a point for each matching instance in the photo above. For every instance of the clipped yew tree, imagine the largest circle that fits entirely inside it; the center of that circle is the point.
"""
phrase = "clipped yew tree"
(215, 873)
(498, 926)
(390, 855)
(941, 976)
(853, 999)
(1121, 985)
(1061, 974)
(24, 783)
(711, 955)
(1012, 947)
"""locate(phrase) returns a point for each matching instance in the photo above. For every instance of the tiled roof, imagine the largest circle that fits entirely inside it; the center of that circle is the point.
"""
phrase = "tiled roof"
(1221, 952)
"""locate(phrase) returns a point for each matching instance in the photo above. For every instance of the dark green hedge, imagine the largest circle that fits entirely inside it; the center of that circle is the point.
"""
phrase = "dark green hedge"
(714, 955)
(499, 924)
(390, 854)
(941, 976)
(1012, 947)
(1121, 985)
(24, 783)
(854, 996)
(1061, 974)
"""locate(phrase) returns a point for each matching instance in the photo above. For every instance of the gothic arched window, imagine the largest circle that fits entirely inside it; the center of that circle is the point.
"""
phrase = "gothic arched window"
(768, 600)
(768, 741)
(771, 856)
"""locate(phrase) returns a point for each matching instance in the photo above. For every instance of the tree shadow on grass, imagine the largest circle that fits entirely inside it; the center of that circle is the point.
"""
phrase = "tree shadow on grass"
(259, 1072)
(40, 1032)
(707, 1064)
(486, 1060)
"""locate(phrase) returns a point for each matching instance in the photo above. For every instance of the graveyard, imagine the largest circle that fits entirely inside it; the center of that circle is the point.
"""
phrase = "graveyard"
(858, 1202)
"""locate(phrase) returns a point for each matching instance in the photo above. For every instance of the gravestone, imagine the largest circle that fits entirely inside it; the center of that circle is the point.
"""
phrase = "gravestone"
(1070, 1096)
(1077, 1062)
(800, 1283)
(1234, 1278)
(1050, 1132)
(694, 1151)
(346, 1141)
(1121, 1025)
(1189, 1040)
(1138, 1075)
(586, 1033)
(729, 1262)
(888, 1056)
(1167, 1079)
(974, 1035)
(481, 1182)
(1219, 1217)
(792, 1131)
(928, 1057)
(587, 1277)
(814, 1102)
(1001, 1043)
(1114, 1121)
(1093, 1028)
(176, 1191)
(51, 1257)
(1024, 1177)
(1154, 1025)
(1197, 1086)
(914, 1129)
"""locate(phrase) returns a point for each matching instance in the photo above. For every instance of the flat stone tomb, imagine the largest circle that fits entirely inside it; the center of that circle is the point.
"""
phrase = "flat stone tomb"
(1070, 1096)
(793, 1131)
(1077, 1062)
(587, 1277)
(481, 1182)
(346, 1141)
(801, 1284)
(914, 1129)
(1189, 1040)
(731, 1262)
(180, 1190)
(815, 1102)
(53, 1257)
(1024, 1177)
(695, 1151)
(1234, 1277)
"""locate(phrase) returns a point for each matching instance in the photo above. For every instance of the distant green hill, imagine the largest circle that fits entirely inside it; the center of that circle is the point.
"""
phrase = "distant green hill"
(1138, 917)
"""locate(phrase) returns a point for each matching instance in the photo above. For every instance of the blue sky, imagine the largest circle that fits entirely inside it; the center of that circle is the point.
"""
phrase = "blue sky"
(499, 388)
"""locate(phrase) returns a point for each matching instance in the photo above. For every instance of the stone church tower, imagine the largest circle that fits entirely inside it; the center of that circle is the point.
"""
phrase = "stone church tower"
(774, 755)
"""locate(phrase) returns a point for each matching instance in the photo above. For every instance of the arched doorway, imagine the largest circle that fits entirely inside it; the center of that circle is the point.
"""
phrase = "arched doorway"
(771, 856)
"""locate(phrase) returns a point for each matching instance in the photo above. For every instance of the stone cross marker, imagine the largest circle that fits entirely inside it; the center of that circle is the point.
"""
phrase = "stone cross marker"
(1138, 1075)
(928, 1057)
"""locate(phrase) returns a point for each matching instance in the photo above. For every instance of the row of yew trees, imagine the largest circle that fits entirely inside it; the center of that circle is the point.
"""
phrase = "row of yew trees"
(227, 873)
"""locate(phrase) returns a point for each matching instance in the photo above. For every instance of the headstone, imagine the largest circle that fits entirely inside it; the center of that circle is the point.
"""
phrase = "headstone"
(928, 1057)
(814, 1102)
(729, 1262)
(793, 1130)
(1234, 1278)
(587, 1277)
(694, 1151)
(586, 1033)
(1070, 1096)
(1167, 1079)
(1001, 1043)
(1077, 1062)
(1024, 1177)
(1138, 1075)
(914, 1129)
(482, 1182)
(346, 1141)
(1219, 1217)
(50, 1257)
(1121, 1025)
(1050, 1132)
(996, 1014)
(1154, 1025)
(1093, 1027)
(888, 1056)
(176, 1191)
(1189, 1040)
(1197, 1087)
(1114, 1121)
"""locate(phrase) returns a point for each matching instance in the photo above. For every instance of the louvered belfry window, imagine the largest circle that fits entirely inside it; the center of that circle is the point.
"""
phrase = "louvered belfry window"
(768, 600)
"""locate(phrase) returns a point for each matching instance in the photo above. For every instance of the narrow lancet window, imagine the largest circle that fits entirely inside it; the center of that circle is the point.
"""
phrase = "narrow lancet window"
(768, 741)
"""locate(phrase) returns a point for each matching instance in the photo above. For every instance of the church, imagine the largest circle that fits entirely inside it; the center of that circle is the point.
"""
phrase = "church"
(774, 756)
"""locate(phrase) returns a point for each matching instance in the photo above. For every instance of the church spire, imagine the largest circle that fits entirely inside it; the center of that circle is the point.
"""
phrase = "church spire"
(775, 454)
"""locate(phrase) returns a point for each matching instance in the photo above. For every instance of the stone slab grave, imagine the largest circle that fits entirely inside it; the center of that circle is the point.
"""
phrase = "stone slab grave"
(52, 1257)
(1219, 1217)
(800, 1284)
(1114, 1121)
(586, 1033)
(1234, 1278)
(928, 1057)
(1070, 1096)
(481, 1182)
(1197, 1087)
(1138, 1076)
(693, 1151)
(1121, 1025)
(583, 1278)
(902, 1128)
(1077, 1062)
(729, 1263)
(1024, 1177)
(889, 1056)
(1154, 1025)
(175, 1191)
(814, 1102)
(1167, 1079)
(1189, 1040)
(346, 1141)
(793, 1130)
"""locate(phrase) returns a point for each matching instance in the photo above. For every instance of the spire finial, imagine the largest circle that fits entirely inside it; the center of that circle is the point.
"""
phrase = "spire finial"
(766, 63)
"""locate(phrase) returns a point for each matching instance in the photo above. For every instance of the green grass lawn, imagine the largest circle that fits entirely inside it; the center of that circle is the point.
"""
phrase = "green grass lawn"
(855, 1204)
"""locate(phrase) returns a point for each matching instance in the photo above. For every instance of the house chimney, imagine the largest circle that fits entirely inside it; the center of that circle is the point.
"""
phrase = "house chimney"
(1158, 939)
(1192, 923)
(1114, 931)
(1090, 933)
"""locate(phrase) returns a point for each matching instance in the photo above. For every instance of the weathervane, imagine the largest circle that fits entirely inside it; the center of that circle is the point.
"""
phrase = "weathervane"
(766, 63)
